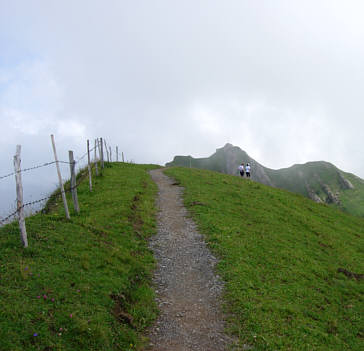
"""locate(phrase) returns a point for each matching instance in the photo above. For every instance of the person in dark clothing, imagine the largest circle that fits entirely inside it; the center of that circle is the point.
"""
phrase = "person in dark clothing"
(241, 169)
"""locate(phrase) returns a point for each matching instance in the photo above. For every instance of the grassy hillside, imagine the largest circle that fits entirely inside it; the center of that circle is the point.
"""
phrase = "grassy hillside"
(321, 181)
(352, 200)
(82, 284)
(312, 175)
(286, 260)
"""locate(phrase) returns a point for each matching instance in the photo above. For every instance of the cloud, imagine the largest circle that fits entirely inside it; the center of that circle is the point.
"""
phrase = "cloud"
(283, 80)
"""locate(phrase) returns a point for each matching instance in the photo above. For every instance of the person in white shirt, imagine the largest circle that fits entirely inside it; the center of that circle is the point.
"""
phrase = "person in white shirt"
(247, 170)
(241, 169)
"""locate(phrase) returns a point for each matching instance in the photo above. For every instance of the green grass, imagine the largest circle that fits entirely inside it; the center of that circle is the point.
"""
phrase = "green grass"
(353, 199)
(296, 178)
(279, 256)
(82, 284)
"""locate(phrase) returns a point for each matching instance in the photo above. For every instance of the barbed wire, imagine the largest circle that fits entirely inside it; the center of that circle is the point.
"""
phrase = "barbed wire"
(55, 195)
(31, 168)
(45, 164)
(81, 176)
(85, 154)
(4, 220)
(37, 201)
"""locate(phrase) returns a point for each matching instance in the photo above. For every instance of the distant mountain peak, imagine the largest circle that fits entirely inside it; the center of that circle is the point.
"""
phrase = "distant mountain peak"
(226, 147)
(319, 180)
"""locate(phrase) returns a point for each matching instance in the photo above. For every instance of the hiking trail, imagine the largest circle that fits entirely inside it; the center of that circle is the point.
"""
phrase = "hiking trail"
(188, 291)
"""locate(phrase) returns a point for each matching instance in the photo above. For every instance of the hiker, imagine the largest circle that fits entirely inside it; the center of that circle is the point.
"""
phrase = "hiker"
(241, 169)
(247, 170)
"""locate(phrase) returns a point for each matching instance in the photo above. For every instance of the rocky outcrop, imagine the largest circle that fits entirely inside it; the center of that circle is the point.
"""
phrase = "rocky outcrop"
(331, 197)
(231, 157)
(260, 175)
(345, 183)
(313, 196)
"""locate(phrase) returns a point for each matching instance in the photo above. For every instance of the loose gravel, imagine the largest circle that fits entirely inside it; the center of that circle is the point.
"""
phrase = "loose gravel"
(188, 290)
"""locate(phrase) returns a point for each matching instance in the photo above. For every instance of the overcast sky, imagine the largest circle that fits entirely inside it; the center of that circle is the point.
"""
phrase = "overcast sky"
(282, 79)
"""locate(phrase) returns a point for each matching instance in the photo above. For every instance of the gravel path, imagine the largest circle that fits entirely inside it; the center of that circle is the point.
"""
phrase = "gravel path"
(188, 290)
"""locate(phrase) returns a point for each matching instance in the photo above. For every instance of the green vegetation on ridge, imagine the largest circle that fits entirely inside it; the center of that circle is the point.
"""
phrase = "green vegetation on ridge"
(314, 175)
(279, 256)
(83, 284)
(320, 181)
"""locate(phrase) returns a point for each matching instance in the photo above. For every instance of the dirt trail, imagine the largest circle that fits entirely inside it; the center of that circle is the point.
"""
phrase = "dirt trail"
(188, 290)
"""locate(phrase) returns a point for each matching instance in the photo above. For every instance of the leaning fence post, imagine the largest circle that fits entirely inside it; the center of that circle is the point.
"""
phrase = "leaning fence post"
(19, 196)
(73, 182)
(96, 166)
(102, 153)
(117, 154)
(110, 153)
(89, 165)
(60, 179)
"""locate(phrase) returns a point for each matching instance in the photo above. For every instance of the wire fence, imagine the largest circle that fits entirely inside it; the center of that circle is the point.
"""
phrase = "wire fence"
(85, 154)
(32, 168)
(86, 168)
(31, 203)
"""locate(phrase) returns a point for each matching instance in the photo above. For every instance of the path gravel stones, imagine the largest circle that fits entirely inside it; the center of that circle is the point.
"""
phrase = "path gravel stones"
(188, 290)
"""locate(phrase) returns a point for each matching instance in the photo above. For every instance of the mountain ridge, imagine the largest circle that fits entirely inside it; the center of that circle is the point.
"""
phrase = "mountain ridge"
(321, 181)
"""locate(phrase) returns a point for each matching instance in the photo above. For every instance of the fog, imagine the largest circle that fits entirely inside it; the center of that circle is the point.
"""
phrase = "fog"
(283, 80)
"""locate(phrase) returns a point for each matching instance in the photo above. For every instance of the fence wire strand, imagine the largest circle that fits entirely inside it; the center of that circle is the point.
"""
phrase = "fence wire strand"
(82, 177)
(85, 154)
(32, 168)
(4, 220)
(45, 164)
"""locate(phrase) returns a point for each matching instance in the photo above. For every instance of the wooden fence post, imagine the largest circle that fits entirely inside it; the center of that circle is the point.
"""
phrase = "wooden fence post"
(117, 154)
(89, 165)
(95, 156)
(73, 182)
(107, 152)
(102, 153)
(122, 154)
(60, 179)
(19, 197)
(110, 153)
